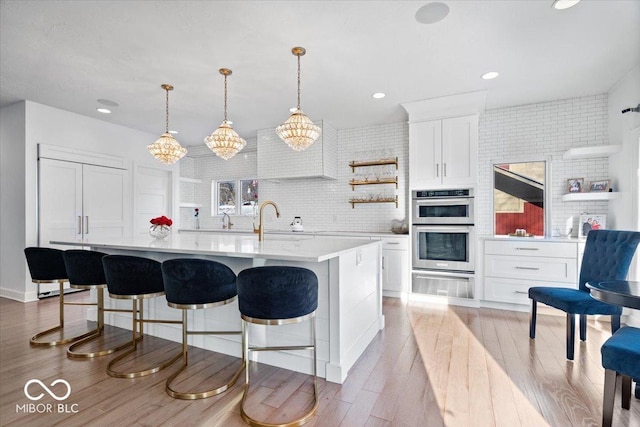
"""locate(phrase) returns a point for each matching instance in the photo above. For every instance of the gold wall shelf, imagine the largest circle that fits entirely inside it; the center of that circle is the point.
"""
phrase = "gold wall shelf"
(353, 182)
(381, 162)
(386, 200)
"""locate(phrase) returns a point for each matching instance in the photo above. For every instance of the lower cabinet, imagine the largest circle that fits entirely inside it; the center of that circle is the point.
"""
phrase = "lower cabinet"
(395, 266)
(511, 267)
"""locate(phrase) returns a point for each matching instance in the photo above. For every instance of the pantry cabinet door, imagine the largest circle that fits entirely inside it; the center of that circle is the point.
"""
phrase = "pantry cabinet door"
(106, 195)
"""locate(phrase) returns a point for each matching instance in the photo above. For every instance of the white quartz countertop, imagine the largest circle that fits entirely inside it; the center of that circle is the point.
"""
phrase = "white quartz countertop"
(296, 247)
(315, 233)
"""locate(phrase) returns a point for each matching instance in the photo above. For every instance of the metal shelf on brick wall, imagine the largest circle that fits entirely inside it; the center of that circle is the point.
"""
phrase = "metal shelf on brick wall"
(381, 200)
(357, 164)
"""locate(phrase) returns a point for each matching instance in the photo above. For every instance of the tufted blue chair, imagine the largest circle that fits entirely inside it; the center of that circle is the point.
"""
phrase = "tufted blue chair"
(277, 295)
(136, 279)
(607, 256)
(198, 284)
(620, 354)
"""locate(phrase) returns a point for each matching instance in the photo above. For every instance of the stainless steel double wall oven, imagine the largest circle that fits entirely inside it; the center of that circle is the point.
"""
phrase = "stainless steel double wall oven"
(443, 239)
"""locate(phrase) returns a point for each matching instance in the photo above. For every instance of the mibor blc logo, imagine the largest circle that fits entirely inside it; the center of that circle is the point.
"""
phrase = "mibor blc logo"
(60, 393)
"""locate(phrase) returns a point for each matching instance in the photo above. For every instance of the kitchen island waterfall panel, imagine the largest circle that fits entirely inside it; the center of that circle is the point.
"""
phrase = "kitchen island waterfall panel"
(349, 311)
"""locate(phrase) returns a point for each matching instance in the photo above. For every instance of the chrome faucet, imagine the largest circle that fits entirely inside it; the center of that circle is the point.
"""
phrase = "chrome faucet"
(229, 223)
(260, 229)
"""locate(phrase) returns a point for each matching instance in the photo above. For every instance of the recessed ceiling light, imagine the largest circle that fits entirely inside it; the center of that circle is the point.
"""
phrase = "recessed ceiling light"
(173, 132)
(431, 13)
(379, 95)
(108, 102)
(490, 75)
(103, 110)
(564, 4)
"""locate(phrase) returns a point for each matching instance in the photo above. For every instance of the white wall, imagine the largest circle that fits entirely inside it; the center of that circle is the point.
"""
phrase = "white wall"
(544, 130)
(43, 124)
(322, 203)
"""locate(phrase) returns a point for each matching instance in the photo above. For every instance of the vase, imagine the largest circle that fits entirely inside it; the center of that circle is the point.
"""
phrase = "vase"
(159, 232)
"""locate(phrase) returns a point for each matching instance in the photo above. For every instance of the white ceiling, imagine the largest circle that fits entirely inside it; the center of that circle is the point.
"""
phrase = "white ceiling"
(69, 54)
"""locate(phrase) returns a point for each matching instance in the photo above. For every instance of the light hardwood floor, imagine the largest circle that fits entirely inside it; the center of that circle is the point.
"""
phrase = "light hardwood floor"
(432, 365)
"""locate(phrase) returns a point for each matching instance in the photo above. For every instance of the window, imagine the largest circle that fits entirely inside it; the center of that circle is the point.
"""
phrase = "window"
(237, 197)
(519, 197)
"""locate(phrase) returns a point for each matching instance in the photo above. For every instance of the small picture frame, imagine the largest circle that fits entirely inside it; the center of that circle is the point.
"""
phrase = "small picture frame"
(575, 185)
(590, 222)
(599, 186)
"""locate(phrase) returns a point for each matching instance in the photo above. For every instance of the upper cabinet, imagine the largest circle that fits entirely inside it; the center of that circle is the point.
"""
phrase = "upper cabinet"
(443, 140)
(443, 152)
(277, 161)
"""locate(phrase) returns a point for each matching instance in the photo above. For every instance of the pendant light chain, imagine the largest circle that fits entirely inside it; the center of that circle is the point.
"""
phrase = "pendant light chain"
(225, 97)
(167, 112)
(298, 81)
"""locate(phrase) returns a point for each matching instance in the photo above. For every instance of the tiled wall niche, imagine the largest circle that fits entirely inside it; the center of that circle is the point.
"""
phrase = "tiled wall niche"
(544, 130)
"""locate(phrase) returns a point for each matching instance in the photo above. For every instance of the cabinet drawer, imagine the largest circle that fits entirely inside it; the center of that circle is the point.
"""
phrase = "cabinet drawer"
(395, 243)
(533, 268)
(513, 291)
(531, 248)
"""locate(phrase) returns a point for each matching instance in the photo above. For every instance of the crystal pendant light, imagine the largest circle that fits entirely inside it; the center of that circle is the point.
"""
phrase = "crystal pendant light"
(224, 141)
(166, 148)
(298, 131)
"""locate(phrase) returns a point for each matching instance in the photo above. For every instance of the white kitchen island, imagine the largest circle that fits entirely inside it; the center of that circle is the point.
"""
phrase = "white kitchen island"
(349, 311)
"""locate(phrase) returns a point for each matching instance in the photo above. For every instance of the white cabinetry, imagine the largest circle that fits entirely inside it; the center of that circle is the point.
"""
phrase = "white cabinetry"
(511, 267)
(276, 160)
(443, 152)
(395, 266)
(80, 200)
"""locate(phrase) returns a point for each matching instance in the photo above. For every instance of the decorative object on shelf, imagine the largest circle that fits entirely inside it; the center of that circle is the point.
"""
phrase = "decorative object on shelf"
(298, 131)
(296, 225)
(590, 222)
(160, 227)
(196, 213)
(399, 226)
(373, 199)
(599, 186)
(357, 164)
(224, 141)
(370, 177)
(166, 149)
(575, 185)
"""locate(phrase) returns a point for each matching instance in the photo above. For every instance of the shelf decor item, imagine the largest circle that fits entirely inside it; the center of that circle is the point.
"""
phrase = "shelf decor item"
(575, 185)
(590, 222)
(298, 131)
(599, 186)
(166, 149)
(224, 141)
(160, 227)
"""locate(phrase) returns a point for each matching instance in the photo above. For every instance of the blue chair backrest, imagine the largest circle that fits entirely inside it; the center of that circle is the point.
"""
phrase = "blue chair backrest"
(607, 255)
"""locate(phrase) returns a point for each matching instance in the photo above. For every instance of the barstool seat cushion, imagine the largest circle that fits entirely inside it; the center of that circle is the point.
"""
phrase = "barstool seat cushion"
(621, 352)
(45, 264)
(277, 292)
(197, 281)
(84, 267)
(130, 276)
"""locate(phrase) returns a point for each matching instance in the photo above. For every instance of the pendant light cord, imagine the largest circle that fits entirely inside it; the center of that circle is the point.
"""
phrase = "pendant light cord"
(167, 113)
(298, 81)
(225, 97)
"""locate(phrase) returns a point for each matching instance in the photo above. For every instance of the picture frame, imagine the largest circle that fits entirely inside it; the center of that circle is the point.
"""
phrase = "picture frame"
(590, 222)
(599, 186)
(575, 185)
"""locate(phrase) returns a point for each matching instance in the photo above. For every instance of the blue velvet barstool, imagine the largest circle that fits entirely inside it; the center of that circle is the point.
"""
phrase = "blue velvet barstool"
(191, 284)
(85, 271)
(607, 256)
(620, 355)
(137, 279)
(277, 295)
(46, 265)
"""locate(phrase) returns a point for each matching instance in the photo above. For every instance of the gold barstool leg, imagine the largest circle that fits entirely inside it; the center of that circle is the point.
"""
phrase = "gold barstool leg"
(203, 394)
(139, 322)
(71, 351)
(299, 421)
(34, 339)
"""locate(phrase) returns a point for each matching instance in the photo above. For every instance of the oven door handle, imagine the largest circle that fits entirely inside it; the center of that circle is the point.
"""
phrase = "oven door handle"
(466, 201)
(442, 229)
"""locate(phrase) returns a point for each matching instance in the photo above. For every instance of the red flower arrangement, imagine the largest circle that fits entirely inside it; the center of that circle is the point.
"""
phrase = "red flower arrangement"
(162, 220)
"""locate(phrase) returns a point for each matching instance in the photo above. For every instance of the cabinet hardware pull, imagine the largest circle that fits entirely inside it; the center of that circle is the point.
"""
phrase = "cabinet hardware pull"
(527, 249)
(79, 224)
(383, 263)
(437, 170)
(393, 243)
(527, 268)
(444, 169)
(86, 220)
(521, 292)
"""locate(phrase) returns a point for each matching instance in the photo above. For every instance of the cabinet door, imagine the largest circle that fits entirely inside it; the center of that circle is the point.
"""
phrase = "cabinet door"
(459, 150)
(105, 201)
(395, 271)
(425, 154)
(60, 201)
